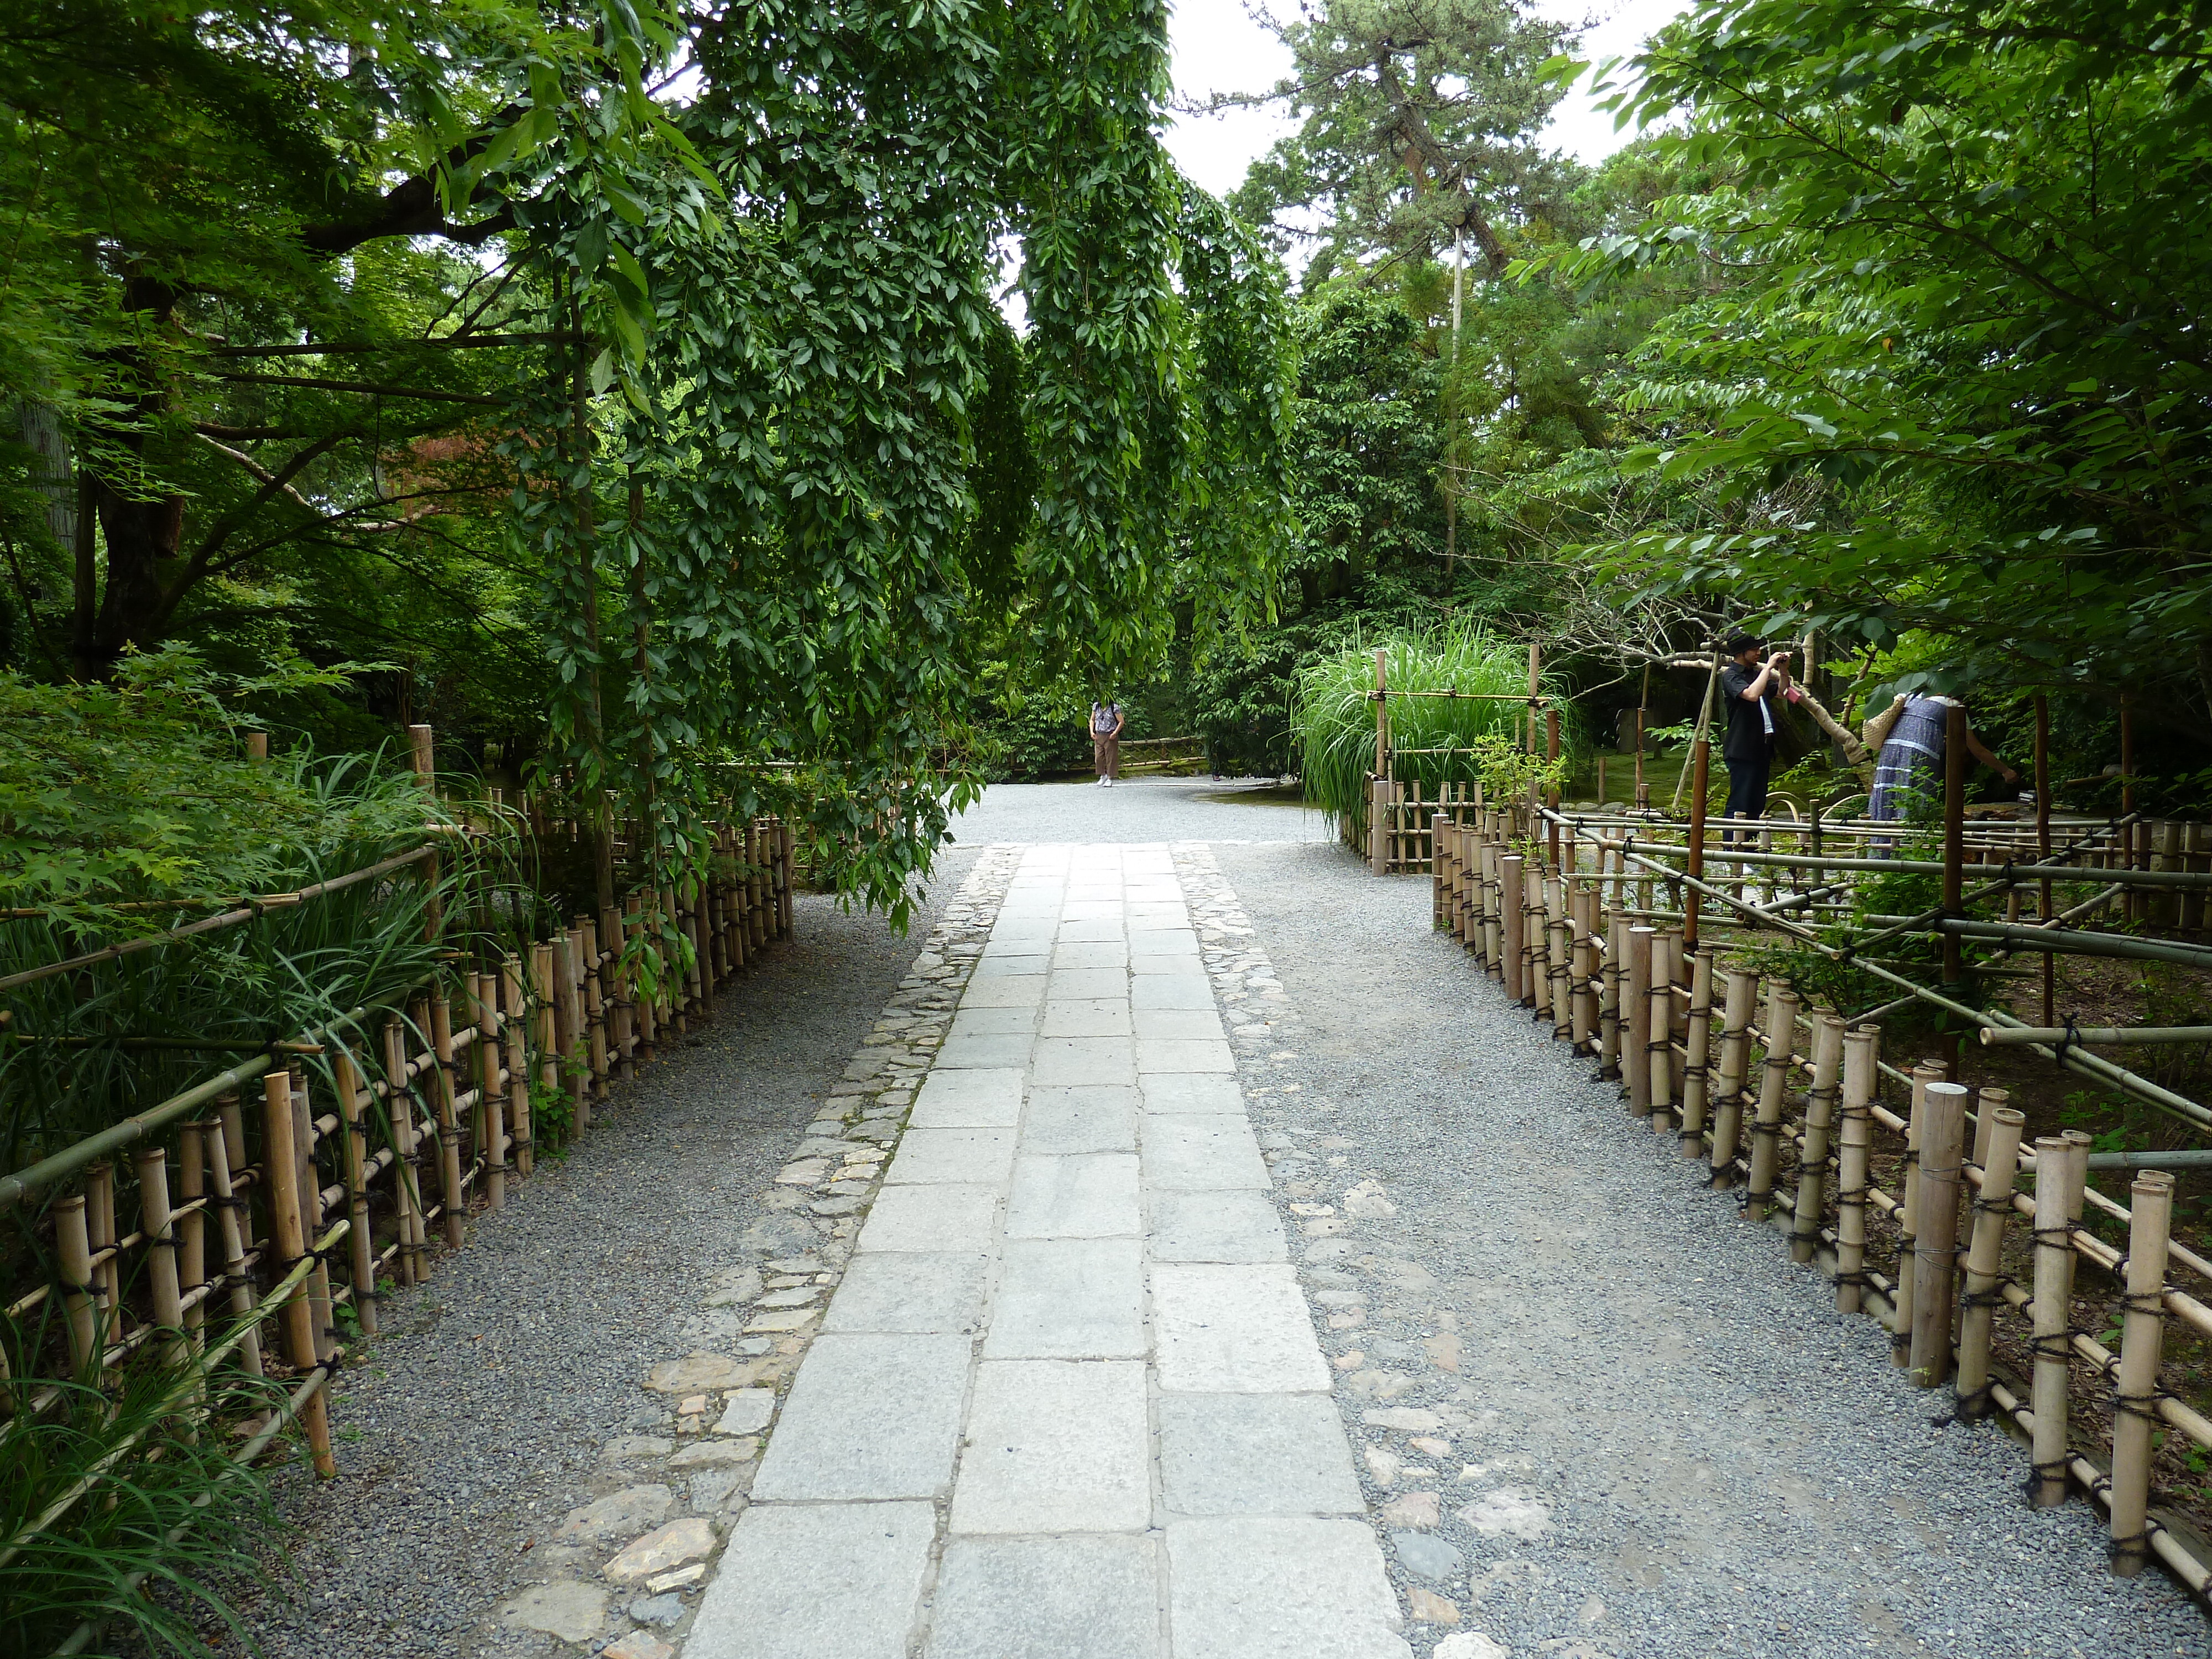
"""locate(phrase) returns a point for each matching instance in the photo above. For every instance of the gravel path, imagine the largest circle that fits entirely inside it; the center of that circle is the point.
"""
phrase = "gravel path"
(1663, 1440)
(1142, 810)
(478, 1421)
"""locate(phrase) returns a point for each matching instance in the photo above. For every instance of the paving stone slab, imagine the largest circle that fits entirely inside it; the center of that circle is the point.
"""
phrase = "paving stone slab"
(973, 1054)
(931, 1155)
(1069, 1298)
(1159, 1055)
(1024, 991)
(1095, 953)
(1092, 1196)
(1177, 1023)
(868, 1417)
(1081, 1118)
(1168, 942)
(1098, 929)
(1233, 1329)
(1046, 1598)
(838, 1580)
(1214, 1226)
(1255, 1453)
(1085, 1017)
(1074, 1059)
(1191, 1091)
(950, 1216)
(1008, 964)
(918, 1290)
(1056, 1446)
(969, 1100)
(1170, 990)
(996, 1022)
(1069, 984)
(1201, 1151)
(1280, 1589)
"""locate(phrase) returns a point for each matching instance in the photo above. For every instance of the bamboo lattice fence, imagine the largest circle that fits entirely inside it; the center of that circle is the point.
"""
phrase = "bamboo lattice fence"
(250, 1220)
(1914, 1193)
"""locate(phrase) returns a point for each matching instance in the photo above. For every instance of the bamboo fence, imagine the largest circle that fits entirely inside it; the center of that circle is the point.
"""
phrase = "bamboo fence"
(1912, 1193)
(254, 1219)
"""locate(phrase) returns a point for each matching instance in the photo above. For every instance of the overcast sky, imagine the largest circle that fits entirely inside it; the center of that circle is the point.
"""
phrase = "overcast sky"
(1219, 48)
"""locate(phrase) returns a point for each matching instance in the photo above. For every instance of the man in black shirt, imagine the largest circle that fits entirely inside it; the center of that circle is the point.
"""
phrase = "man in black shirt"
(1751, 687)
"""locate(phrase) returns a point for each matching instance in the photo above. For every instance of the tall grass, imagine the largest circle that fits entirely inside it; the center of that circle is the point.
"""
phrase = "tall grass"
(1332, 712)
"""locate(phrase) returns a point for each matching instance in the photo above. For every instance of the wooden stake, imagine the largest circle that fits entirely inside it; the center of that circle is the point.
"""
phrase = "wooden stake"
(1773, 1087)
(1820, 1116)
(1862, 1048)
(289, 1235)
(2062, 1168)
(1986, 1253)
(1935, 1245)
(361, 1240)
(2135, 1395)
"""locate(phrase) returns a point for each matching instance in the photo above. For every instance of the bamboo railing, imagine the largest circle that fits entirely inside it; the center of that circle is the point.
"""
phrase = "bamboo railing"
(254, 1220)
(1912, 1193)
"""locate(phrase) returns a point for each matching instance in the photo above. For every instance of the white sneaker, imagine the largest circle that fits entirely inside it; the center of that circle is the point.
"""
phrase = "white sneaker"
(1108, 782)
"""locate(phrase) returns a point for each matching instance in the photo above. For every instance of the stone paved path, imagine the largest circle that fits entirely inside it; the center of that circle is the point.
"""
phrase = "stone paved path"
(1066, 1399)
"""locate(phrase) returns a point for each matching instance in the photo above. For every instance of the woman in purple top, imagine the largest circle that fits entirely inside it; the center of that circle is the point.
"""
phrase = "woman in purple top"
(1106, 724)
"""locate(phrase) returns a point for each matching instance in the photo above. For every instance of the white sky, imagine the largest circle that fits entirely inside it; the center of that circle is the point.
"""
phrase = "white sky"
(1219, 48)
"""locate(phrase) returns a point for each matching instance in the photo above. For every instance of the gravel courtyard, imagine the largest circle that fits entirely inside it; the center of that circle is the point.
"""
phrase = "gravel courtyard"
(1591, 1411)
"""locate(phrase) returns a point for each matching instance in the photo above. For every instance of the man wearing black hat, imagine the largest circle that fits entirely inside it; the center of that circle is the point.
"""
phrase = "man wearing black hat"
(1751, 687)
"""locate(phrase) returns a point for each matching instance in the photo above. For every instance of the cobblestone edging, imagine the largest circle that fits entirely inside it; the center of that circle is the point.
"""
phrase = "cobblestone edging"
(625, 1569)
(1399, 1405)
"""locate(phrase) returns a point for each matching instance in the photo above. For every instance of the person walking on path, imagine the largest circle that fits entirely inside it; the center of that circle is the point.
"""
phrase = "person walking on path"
(1751, 687)
(1908, 773)
(1106, 723)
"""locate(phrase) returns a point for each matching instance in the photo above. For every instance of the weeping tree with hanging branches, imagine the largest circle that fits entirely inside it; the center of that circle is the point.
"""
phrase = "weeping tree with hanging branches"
(669, 335)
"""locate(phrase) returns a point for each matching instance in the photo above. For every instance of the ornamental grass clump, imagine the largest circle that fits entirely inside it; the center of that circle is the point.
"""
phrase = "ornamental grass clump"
(1333, 715)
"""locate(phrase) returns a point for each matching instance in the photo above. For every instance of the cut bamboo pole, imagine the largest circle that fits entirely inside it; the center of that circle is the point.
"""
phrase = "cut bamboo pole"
(1697, 1070)
(230, 1238)
(1908, 1214)
(1820, 1117)
(1993, 1208)
(407, 1151)
(290, 1234)
(512, 1028)
(1378, 823)
(1493, 911)
(80, 1294)
(1534, 930)
(99, 1225)
(1556, 934)
(786, 861)
(1935, 1244)
(192, 1230)
(568, 974)
(1513, 919)
(159, 1226)
(1439, 870)
(491, 1094)
(1862, 1049)
(353, 1107)
(1737, 1016)
(1636, 1022)
(442, 1096)
(546, 1018)
(1666, 953)
(1773, 1089)
(1583, 910)
(320, 1304)
(2135, 1394)
(595, 1007)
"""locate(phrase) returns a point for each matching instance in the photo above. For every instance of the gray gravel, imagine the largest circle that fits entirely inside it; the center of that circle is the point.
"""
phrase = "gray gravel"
(478, 1421)
(1729, 1465)
(1141, 810)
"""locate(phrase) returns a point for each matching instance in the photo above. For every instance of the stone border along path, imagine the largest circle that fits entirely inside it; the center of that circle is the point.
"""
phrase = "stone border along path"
(1066, 1399)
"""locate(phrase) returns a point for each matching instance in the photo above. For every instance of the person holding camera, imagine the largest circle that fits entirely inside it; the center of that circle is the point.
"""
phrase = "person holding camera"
(1751, 685)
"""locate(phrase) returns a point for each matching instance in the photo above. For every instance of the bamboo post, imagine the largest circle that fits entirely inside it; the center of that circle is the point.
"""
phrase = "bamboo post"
(290, 1234)
(2062, 1168)
(1820, 1116)
(1613, 972)
(1773, 1089)
(449, 1130)
(406, 1151)
(1493, 911)
(1659, 1026)
(491, 1093)
(1582, 908)
(566, 973)
(595, 1006)
(1908, 1213)
(1737, 1016)
(1636, 1022)
(80, 1296)
(192, 1228)
(512, 1029)
(1536, 969)
(99, 1224)
(423, 761)
(1439, 870)
(1955, 833)
(1378, 836)
(1700, 763)
(547, 1018)
(1935, 1245)
(2134, 1395)
(2132, 901)
(1697, 1072)
(158, 1225)
(1993, 1208)
(309, 1187)
(1513, 919)
(1862, 1049)
(361, 1241)
(1557, 937)
(230, 1235)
